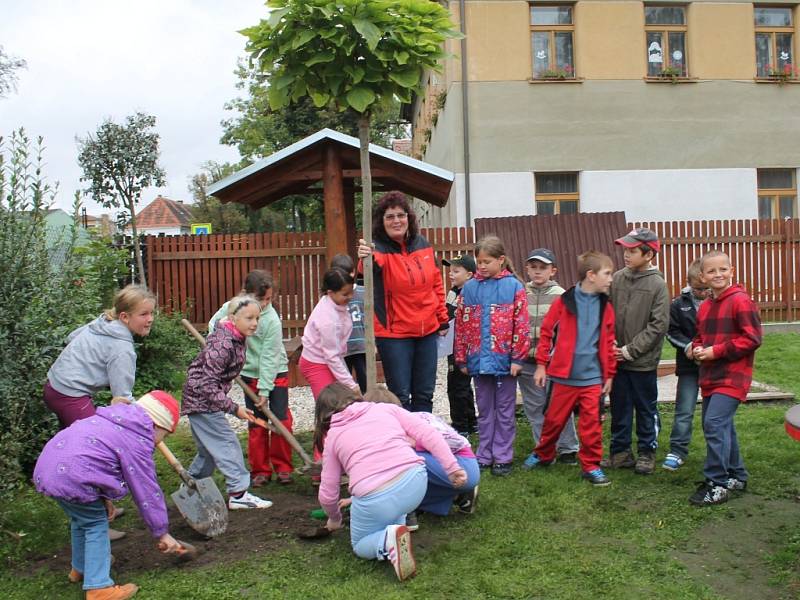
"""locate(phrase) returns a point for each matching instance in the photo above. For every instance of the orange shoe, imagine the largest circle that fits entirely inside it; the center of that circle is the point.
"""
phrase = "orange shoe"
(75, 576)
(113, 592)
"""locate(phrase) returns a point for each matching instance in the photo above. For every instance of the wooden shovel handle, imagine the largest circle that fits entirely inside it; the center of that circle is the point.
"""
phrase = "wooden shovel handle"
(176, 464)
(262, 406)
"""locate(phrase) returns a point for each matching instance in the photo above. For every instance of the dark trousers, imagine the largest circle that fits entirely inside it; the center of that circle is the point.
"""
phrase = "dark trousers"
(634, 392)
(462, 400)
(358, 363)
(409, 365)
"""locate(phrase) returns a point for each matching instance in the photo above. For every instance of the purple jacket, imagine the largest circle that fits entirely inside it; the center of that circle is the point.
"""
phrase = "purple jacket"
(105, 456)
(211, 373)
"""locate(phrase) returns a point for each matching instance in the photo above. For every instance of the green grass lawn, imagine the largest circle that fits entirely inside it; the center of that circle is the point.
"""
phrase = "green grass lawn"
(545, 534)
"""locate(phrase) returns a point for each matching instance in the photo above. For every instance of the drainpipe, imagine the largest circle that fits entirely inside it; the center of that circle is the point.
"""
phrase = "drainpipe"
(465, 109)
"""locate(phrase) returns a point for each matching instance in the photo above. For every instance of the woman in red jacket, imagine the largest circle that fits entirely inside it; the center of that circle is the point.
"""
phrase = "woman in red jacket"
(409, 302)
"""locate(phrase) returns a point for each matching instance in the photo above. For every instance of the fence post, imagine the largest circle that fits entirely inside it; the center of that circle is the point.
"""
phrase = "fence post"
(787, 274)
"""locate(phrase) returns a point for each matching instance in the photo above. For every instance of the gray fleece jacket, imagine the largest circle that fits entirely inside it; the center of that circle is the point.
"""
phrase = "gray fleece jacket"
(641, 304)
(98, 356)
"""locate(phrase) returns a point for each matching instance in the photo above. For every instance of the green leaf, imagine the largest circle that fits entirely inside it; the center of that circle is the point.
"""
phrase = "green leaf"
(360, 98)
(282, 81)
(401, 57)
(406, 79)
(368, 31)
(319, 98)
(325, 56)
(356, 73)
(302, 38)
(275, 17)
(277, 98)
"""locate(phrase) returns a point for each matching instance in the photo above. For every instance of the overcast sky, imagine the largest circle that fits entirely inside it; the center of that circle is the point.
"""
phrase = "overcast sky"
(92, 59)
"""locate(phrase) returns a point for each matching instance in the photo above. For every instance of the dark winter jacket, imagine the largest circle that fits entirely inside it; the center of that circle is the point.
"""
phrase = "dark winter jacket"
(729, 324)
(641, 306)
(211, 373)
(559, 333)
(492, 325)
(682, 329)
(409, 294)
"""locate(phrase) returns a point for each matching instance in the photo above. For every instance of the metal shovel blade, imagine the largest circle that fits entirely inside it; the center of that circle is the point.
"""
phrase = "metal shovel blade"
(203, 508)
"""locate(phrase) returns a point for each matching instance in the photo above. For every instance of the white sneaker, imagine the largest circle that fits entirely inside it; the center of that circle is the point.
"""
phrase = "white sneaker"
(247, 500)
(398, 550)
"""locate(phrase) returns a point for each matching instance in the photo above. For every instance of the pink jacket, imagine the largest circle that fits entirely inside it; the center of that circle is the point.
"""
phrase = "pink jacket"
(325, 338)
(369, 442)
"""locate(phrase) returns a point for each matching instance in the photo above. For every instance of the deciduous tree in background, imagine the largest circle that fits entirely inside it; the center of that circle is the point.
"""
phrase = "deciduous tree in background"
(9, 65)
(119, 161)
(356, 55)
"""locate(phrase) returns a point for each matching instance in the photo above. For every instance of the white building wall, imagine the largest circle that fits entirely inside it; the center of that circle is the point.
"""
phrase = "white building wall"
(495, 195)
(680, 195)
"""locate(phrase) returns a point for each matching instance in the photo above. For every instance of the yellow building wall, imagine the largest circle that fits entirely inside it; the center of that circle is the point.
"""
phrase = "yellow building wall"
(609, 40)
(721, 42)
(498, 41)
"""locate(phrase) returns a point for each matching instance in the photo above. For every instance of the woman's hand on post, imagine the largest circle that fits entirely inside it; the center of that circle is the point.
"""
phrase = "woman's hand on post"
(458, 478)
(364, 250)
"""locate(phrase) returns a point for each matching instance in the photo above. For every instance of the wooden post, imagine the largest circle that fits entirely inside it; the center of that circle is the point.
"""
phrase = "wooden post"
(350, 218)
(333, 198)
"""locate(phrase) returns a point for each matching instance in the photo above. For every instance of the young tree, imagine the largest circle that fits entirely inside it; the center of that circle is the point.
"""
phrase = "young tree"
(357, 55)
(119, 161)
(9, 65)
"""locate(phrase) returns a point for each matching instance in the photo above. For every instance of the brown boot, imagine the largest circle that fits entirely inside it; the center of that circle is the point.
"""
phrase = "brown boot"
(619, 460)
(114, 592)
(645, 464)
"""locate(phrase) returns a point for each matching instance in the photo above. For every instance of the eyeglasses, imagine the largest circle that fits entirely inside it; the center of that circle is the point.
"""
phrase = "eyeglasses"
(395, 217)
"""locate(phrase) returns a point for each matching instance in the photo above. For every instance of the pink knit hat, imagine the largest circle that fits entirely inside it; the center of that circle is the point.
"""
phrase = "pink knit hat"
(162, 408)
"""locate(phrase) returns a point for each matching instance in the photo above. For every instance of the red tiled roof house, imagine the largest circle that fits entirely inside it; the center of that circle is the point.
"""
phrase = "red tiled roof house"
(163, 217)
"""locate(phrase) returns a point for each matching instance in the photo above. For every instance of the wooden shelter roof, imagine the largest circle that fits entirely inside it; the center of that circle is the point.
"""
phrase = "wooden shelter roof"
(296, 168)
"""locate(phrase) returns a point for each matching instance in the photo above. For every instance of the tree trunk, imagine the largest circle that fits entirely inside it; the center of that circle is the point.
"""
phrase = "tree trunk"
(137, 251)
(366, 212)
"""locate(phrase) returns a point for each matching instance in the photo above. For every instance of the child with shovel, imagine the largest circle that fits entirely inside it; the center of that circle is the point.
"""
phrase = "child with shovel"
(206, 402)
(96, 461)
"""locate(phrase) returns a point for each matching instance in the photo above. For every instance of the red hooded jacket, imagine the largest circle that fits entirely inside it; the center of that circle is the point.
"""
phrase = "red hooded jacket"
(559, 334)
(409, 293)
(729, 324)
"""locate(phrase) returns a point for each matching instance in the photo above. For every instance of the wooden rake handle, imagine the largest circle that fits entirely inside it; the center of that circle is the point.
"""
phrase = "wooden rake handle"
(274, 422)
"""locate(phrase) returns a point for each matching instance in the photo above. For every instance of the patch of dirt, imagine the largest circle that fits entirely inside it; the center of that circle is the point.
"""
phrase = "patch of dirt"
(731, 555)
(259, 531)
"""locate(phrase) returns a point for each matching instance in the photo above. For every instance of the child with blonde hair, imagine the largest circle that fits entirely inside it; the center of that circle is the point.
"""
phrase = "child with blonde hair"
(100, 355)
(206, 402)
(491, 344)
(266, 373)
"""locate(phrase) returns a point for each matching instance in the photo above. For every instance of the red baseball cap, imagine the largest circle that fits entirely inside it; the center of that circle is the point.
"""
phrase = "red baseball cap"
(641, 236)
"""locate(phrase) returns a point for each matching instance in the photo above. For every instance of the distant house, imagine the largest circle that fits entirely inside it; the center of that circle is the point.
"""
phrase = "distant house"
(59, 224)
(163, 217)
(102, 224)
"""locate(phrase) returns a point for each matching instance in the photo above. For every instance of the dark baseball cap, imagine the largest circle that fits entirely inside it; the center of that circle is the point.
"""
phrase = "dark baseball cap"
(542, 255)
(641, 236)
(462, 260)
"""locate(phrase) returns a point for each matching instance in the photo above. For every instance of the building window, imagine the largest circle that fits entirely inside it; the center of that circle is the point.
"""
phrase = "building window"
(665, 28)
(774, 39)
(777, 194)
(552, 41)
(556, 193)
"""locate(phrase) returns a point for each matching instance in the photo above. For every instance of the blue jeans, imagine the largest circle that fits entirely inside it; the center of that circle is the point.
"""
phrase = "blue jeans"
(685, 403)
(441, 493)
(634, 391)
(722, 447)
(409, 365)
(91, 548)
(370, 515)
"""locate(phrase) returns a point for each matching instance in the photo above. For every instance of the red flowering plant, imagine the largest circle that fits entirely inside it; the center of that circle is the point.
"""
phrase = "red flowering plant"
(784, 73)
(564, 72)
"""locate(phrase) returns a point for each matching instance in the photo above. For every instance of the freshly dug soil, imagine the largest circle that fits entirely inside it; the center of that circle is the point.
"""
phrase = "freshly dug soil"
(258, 531)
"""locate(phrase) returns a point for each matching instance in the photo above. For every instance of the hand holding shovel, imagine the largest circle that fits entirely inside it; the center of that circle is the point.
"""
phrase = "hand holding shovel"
(183, 550)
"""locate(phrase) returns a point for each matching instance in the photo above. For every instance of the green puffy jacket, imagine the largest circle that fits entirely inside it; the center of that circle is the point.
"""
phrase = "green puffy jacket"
(641, 303)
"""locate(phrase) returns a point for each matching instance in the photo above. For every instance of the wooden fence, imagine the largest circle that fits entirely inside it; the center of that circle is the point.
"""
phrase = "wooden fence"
(204, 271)
(765, 255)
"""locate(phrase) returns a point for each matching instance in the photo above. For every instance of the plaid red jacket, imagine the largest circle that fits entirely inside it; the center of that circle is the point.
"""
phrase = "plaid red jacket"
(731, 325)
